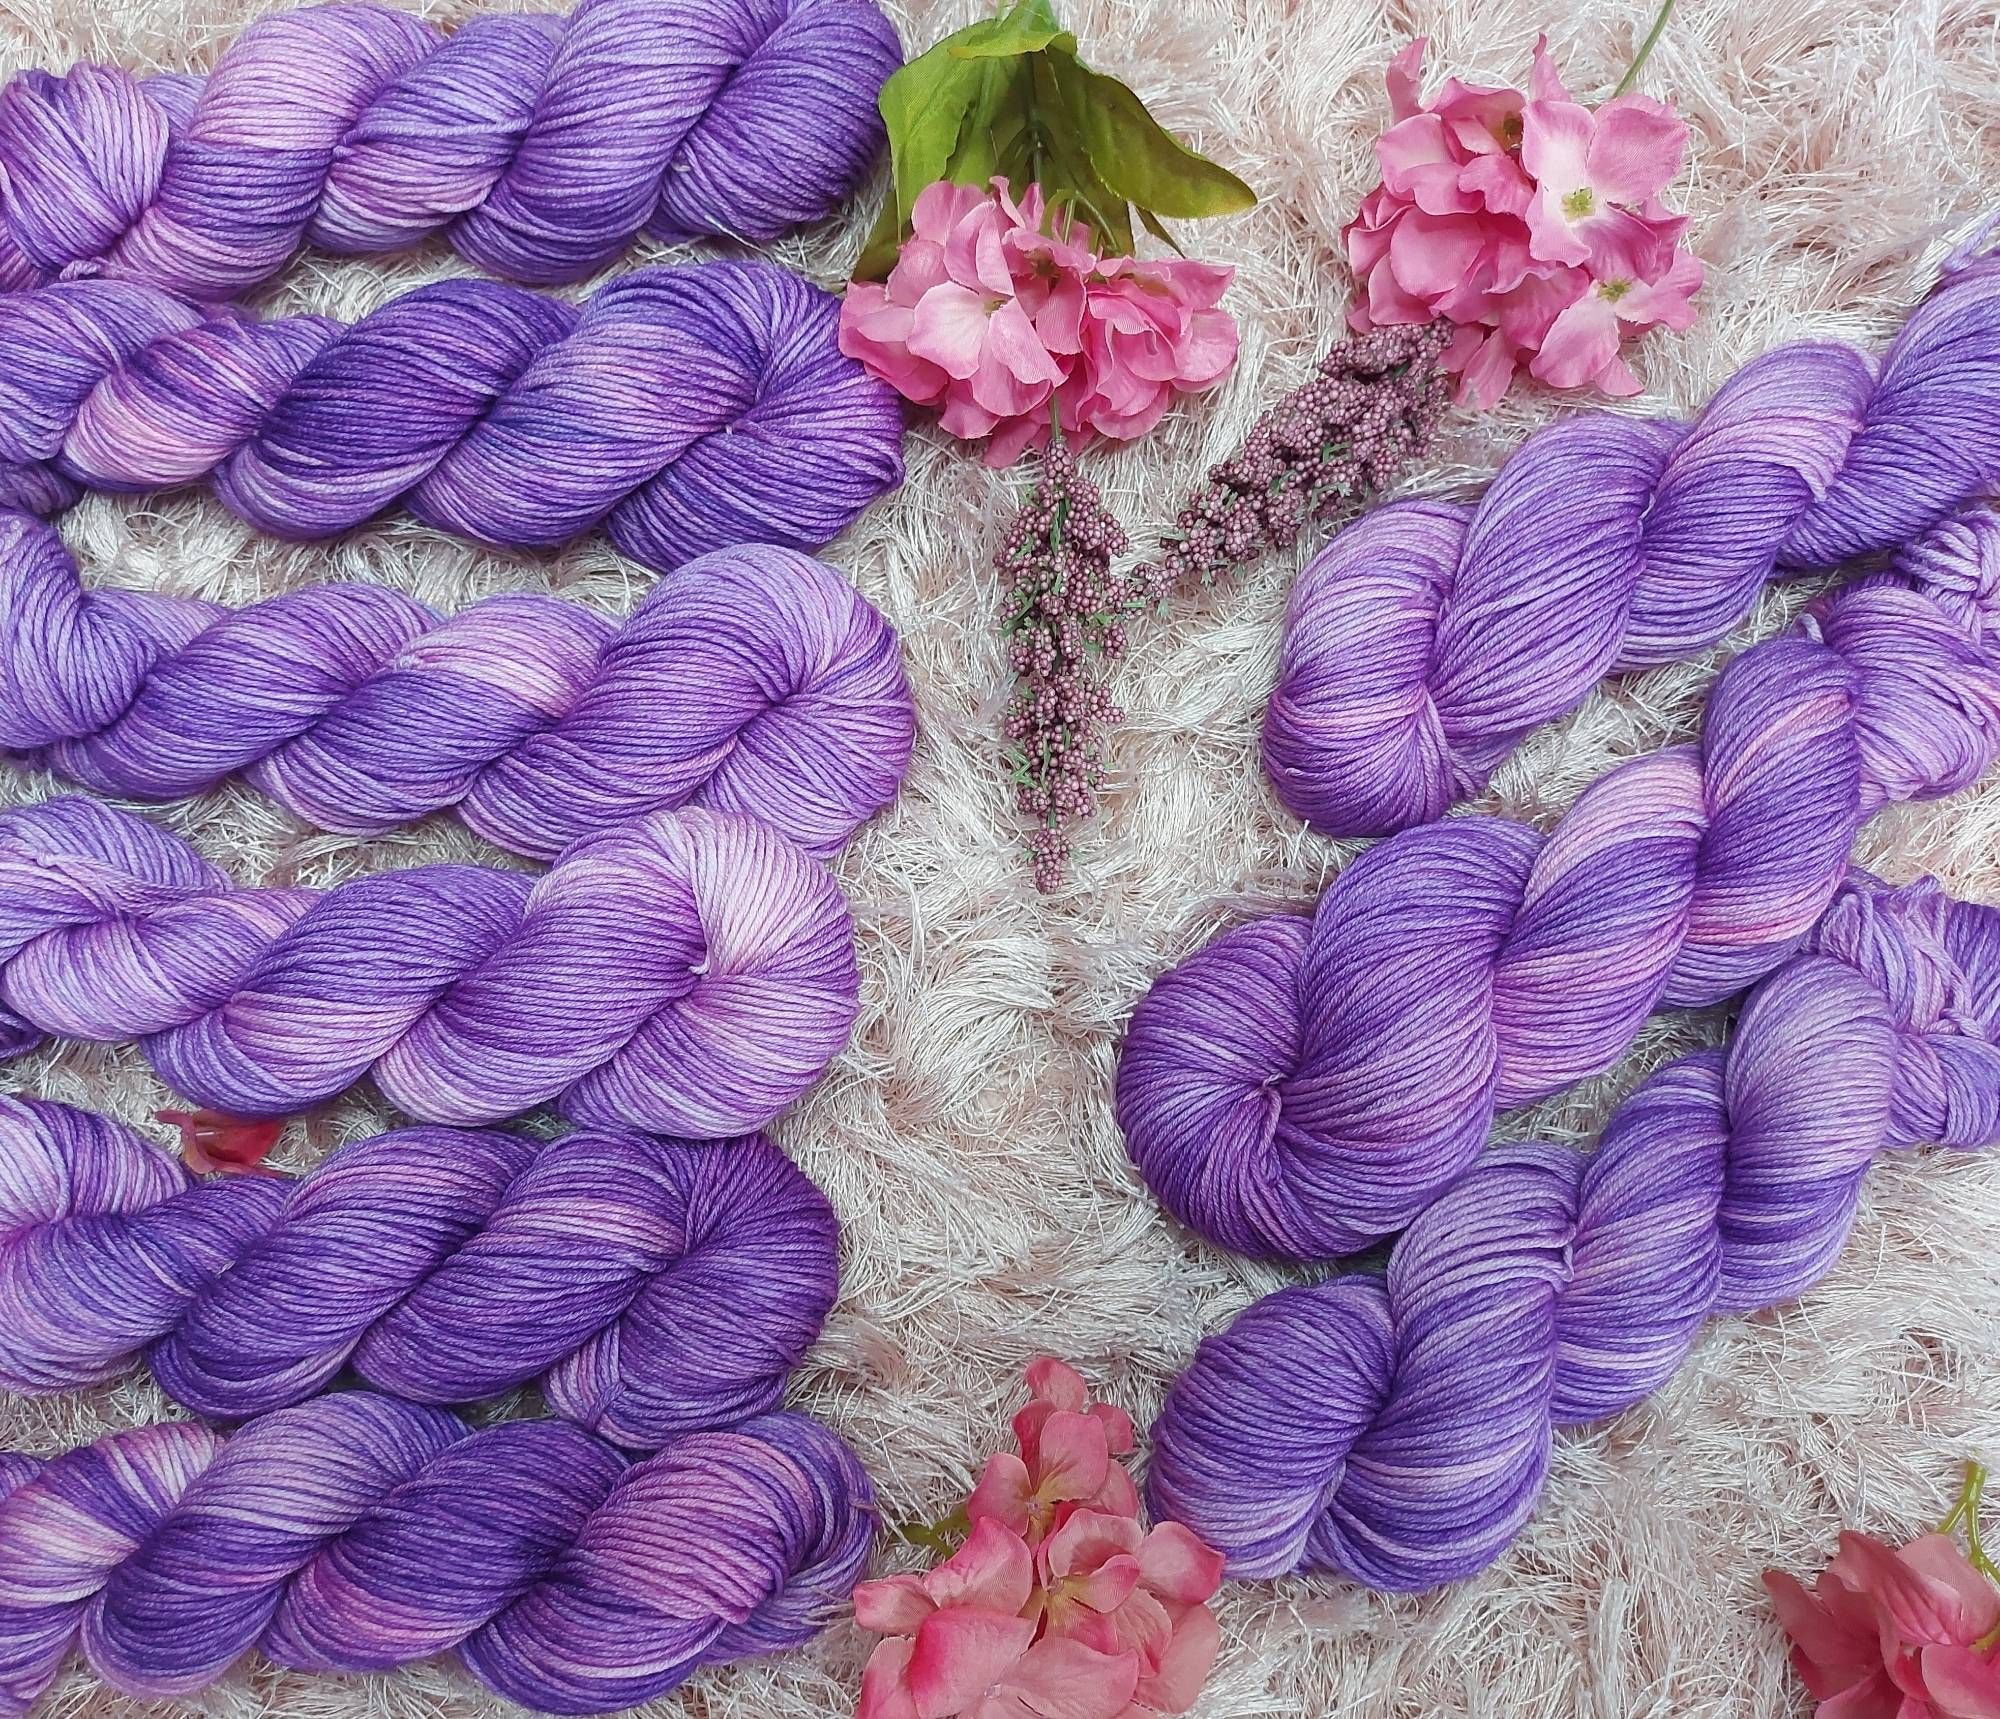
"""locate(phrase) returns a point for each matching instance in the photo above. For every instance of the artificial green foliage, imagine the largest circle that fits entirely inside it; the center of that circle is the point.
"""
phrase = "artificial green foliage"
(1009, 96)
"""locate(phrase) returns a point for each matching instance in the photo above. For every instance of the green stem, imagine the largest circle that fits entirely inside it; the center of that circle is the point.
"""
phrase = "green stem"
(1645, 50)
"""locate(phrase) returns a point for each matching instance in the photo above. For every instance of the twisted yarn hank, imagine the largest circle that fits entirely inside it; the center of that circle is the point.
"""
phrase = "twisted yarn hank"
(360, 1532)
(540, 146)
(1301, 1088)
(1429, 638)
(1398, 1432)
(752, 680)
(654, 1287)
(684, 409)
(691, 973)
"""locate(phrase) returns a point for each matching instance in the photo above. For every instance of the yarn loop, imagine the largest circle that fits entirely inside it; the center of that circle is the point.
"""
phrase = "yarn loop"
(1429, 638)
(359, 1532)
(654, 1287)
(1300, 1089)
(752, 680)
(690, 973)
(539, 146)
(684, 409)
(1399, 1431)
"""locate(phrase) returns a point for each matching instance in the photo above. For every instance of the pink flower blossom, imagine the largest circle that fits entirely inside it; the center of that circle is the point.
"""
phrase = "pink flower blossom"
(1098, 1619)
(1909, 1633)
(1002, 318)
(1530, 223)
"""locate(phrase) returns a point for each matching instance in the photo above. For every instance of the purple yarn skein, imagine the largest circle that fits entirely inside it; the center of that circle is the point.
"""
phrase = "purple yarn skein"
(1399, 1432)
(358, 1533)
(1429, 638)
(653, 1287)
(752, 680)
(540, 146)
(684, 409)
(1301, 1088)
(691, 973)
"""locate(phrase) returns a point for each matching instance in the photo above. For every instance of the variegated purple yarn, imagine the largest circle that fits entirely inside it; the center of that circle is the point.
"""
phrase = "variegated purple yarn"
(1398, 1431)
(1301, 1088)
(360, 1532)
(752, 680)
(683, 409)
(690, 973)
(1430, 637)
(539, 146)
(652, 1287)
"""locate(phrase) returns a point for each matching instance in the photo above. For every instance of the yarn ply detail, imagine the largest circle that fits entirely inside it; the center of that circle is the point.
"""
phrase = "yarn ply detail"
(358, 1533)
(1399, 1431)
(684, 409)
(653, 1287)
(540, 146)
(1429, 638)
(1303, 1087)
(752, 680)
(691, 973)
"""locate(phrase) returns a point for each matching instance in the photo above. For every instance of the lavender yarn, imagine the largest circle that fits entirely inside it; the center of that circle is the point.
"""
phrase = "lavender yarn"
(1303, 1087)
(1429, 638)
(1398, 1432)
(539, 146)
(359, 1533)
(653, 1287)
(684, 409)
(752, 680)
(691, 973)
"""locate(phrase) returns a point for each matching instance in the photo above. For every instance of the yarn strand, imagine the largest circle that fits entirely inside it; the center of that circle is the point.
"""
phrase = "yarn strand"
(359, 1533)
(752, 680)
(1398, 1431)
(1429, 638)
(691, 973)
(683, 409)
(540, 146)
(652, 1287)
(1302, 1088)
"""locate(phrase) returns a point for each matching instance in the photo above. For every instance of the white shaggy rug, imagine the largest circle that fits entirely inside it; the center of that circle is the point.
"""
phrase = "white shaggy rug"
(967, 1139)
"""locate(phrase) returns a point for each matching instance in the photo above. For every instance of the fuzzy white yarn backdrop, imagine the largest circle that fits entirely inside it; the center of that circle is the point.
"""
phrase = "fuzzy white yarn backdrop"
(966, 1138)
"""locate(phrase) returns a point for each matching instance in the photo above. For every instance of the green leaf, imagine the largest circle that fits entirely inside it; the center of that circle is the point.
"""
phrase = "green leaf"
(1030, 27)
(994, 138)
(1135, 155)
(1069, 178)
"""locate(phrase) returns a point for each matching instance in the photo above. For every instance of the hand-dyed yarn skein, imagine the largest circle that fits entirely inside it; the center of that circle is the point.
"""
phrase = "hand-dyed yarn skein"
(540, 146)
(683, 409)
(1301, 1088)
(752, 680)
(691, 973)
(1398, 1432)
(1429, 638)
(652, 1287)
(358, 1533)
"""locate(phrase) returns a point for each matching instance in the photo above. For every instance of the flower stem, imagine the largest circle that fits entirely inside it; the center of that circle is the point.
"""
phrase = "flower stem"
(1645, 50)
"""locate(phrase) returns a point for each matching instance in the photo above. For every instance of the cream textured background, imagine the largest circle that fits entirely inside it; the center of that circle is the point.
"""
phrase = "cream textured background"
(966, 1137)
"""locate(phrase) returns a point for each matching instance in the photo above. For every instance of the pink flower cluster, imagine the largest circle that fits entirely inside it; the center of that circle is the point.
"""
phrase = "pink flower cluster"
(1897, 1633)
(1531, 223)
(1059, 1603)
(1002, 319)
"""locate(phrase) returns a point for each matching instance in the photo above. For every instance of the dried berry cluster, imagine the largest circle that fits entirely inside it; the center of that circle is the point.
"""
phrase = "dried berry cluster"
(1065, 622)
(1370, 411)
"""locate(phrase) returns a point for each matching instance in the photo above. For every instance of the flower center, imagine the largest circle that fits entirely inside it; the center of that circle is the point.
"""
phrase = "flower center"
(1579, 203)
(1613, 290)
(1510, 130)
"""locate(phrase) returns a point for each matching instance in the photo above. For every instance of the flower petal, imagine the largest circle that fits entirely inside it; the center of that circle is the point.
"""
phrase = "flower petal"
(1917, 1599)
(1087, 1539)
(959, 1654)
(1184, 1667)
(1012, 342)
(1004, 1488)
(993, 1571)
(1636, 148)
(1063, 1679)
(1581, 341)
(940, 206)
(1074, 1456)
(1961, 1683)
(1405, 79)
(1179, 1565)
(1555, 145)
(896, 1605)
(1545, 83)
(885, 1690)
(949, 328)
